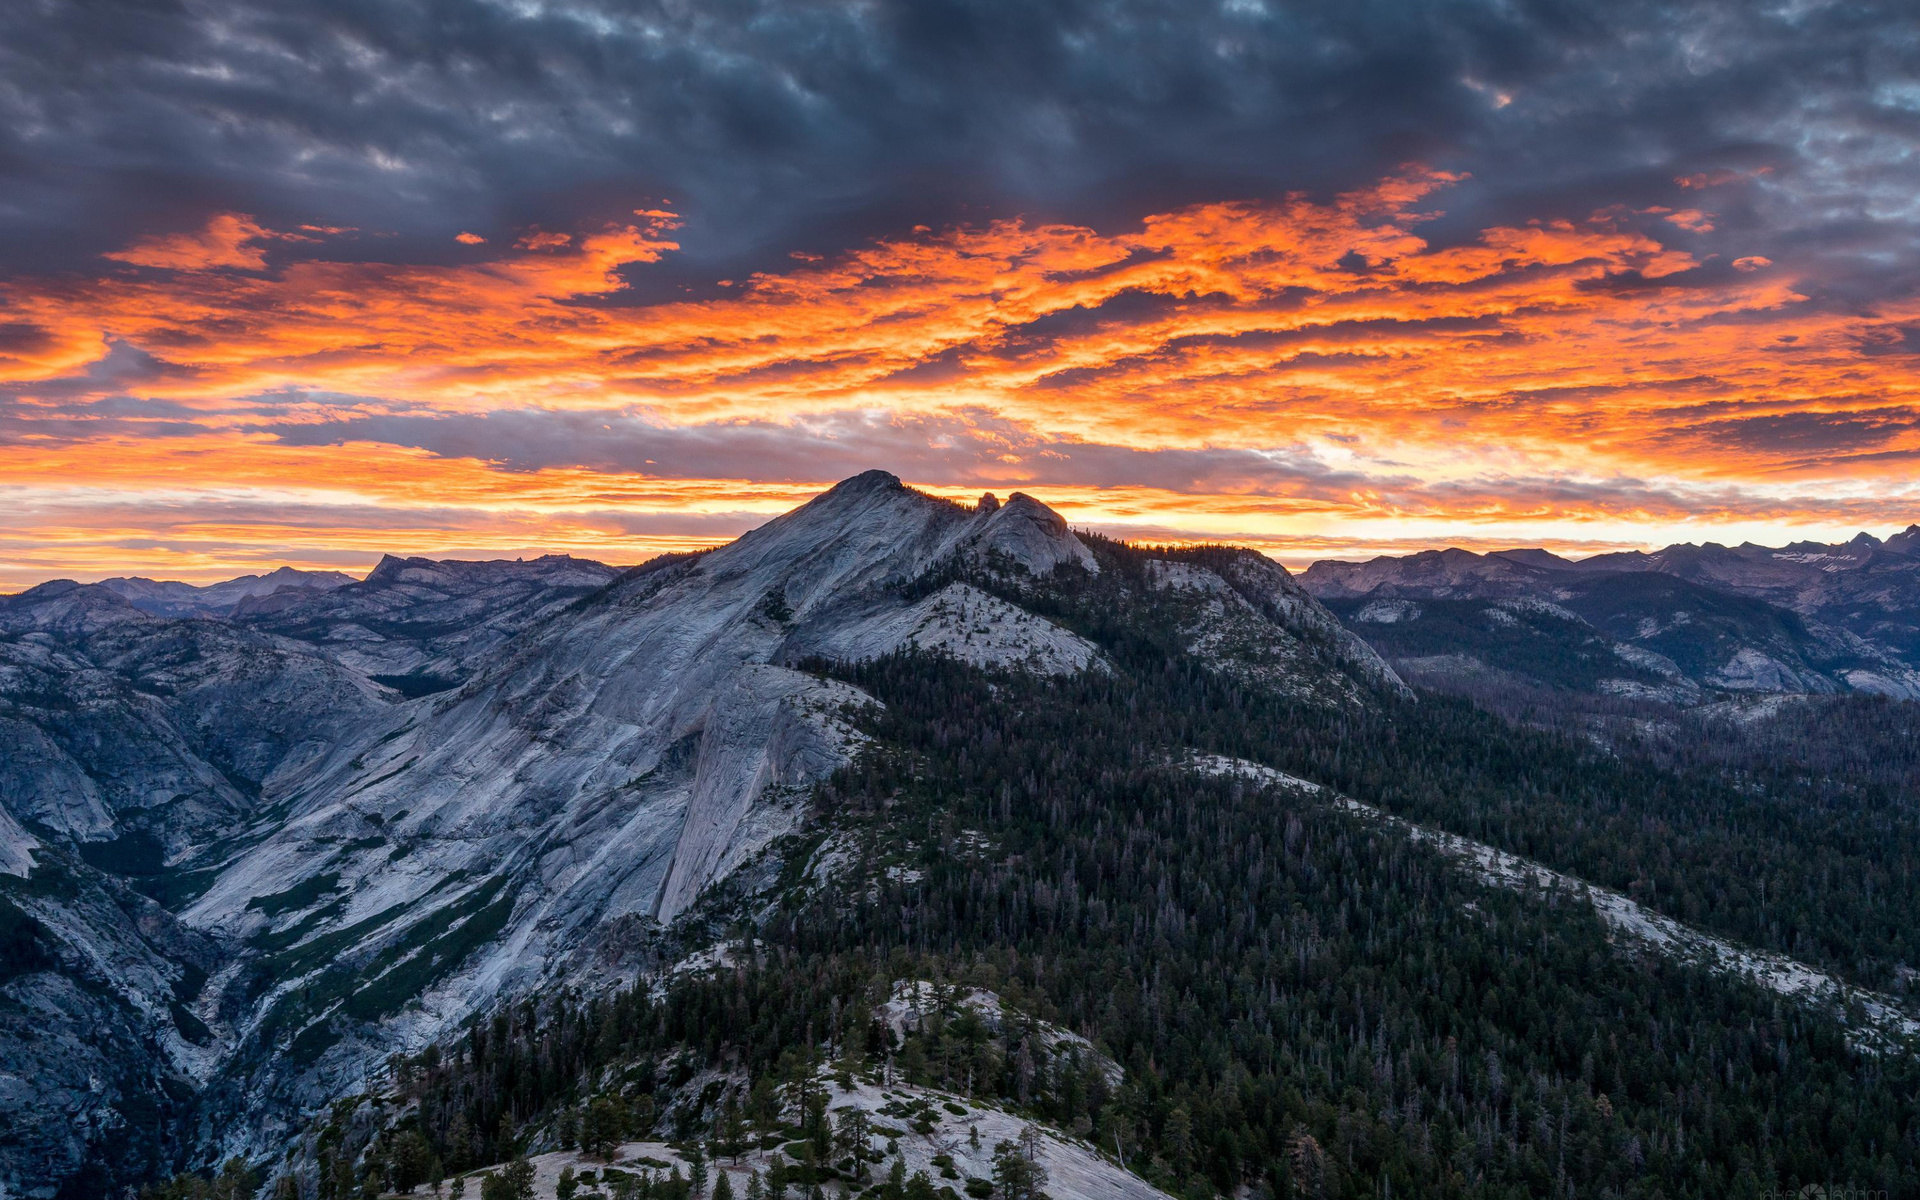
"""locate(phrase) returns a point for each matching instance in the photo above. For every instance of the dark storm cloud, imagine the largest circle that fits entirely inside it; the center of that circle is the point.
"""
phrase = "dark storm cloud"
(783, 126)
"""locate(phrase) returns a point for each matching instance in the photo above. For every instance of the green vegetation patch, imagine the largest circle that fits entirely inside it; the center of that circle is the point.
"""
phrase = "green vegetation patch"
(299, 896)
(435, 946)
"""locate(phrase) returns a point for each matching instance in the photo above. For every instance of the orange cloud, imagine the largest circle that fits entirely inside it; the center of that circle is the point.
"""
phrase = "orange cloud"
(1692, 220)
(1570, 380)
(228, 241)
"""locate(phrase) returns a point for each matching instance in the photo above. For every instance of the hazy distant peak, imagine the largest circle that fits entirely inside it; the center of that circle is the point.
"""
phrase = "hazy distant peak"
(392, 570)
(1536, 557)
(66, 607)
(172, 598)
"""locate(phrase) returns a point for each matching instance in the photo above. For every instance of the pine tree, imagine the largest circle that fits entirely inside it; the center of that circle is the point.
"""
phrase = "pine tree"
(412, 1161)
(855, 1137)
(603, 1128)
(733, 1131)
(1017, 1174)
(519, 1178)
(236, 1181)
(459, 1143)
(763, 1103)
(696, 1171)
(1177, 1138)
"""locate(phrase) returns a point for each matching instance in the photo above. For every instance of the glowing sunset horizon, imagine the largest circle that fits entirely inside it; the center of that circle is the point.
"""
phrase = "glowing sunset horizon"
(1327, 361)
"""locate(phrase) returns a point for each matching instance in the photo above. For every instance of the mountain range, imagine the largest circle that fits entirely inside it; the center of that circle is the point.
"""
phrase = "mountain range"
(168, 598)
(274, 845)
(1681, 625)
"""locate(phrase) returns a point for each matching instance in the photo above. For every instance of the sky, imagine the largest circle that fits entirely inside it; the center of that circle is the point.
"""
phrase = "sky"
(303, 283)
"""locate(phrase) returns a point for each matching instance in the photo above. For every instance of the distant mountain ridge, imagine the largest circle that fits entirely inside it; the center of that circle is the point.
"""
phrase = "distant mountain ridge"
(1841, 617)
(422, 624)
(170, 598)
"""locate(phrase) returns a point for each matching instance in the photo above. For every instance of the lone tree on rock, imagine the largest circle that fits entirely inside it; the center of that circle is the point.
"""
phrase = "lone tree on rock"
(1017, 1173)
(601, 1132)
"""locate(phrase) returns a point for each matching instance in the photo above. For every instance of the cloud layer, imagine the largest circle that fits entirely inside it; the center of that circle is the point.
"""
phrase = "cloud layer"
(321, 281)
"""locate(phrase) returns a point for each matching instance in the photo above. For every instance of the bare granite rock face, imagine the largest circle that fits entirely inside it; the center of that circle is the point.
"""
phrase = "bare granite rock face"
(1249, 618)
(99, 1045)
(119, 723)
